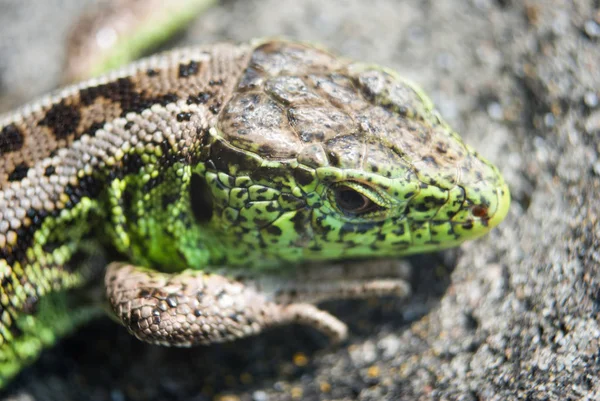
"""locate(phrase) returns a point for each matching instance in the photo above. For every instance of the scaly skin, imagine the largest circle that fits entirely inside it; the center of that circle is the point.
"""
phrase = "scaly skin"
(220, 175)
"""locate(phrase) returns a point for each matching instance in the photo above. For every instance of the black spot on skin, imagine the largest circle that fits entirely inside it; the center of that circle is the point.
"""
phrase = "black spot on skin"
(434, 200)
(11, 139)
(128, 125)
(19, 172)
(201, 98)
(421, 207)
(303, 177)
(62, 119)
(301, 221)
(201, 199)
(151, 72)
(217, 82)
(51, 246)
(184, 117)
(132, 163)
(49, 171)
(268, 175)
(127, 201)
(88, 186)
(441, 147)
(273, 230)
(214, 108)
(6, 281)
(91, 131)
(165, 99)
(153, 183)
(399, 230)
(186, 70)
(297, 203)
(169, 199)
(272, 207)
(124, 92)
(467, 225)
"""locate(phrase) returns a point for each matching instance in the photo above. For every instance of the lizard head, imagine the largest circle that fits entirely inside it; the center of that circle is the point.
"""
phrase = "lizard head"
(323, 158)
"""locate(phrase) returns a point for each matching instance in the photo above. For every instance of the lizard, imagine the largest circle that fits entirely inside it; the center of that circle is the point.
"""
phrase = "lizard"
(207, 193)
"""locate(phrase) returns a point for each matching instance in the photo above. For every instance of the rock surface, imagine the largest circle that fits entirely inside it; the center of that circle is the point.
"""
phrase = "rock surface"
(514, 315)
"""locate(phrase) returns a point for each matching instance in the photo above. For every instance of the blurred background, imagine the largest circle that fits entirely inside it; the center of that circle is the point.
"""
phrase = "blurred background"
(513, 315)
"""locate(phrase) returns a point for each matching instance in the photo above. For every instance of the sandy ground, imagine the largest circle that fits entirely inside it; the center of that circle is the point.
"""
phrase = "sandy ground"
(514, 315)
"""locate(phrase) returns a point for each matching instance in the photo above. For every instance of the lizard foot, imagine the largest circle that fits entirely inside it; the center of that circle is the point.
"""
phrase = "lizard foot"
(195, 307)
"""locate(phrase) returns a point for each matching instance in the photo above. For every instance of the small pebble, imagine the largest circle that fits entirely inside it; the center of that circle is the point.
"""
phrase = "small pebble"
(260, 395)
(325, 387)
(389, 346)
(373, 371)
(495, 111)
(297, 393)
(592, 29)
(227, 397)
(300, 359)
(117, 395)
(590, 99)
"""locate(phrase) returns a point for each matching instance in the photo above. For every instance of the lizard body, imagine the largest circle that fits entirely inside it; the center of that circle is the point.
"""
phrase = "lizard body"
(236, 162)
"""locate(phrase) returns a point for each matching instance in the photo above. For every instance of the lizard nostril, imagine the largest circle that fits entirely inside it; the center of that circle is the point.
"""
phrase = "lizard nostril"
(479, 211)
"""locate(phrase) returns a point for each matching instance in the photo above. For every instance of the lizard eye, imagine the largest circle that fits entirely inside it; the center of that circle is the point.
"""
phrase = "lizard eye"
(352, 202)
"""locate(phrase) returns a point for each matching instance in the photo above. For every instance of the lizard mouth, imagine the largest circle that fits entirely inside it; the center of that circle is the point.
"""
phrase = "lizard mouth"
(461, 218)
(483, 218)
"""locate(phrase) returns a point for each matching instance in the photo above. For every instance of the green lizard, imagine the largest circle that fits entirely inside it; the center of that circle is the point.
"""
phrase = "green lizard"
(219, 184)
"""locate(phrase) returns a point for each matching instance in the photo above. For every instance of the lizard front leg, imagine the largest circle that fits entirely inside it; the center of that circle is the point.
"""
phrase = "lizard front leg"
(193, 307)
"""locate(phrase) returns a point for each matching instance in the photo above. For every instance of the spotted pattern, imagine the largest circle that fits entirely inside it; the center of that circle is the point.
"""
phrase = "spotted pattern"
(222, 157)
(11, 139)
